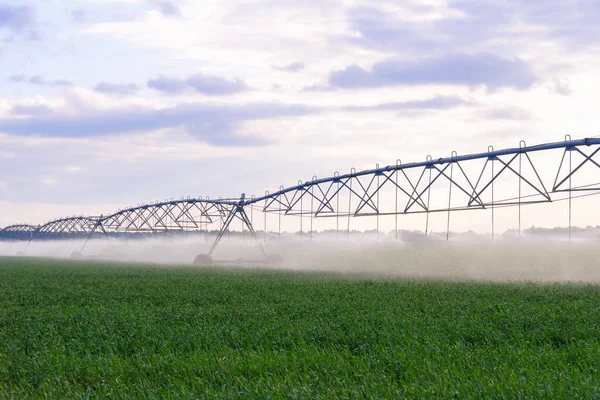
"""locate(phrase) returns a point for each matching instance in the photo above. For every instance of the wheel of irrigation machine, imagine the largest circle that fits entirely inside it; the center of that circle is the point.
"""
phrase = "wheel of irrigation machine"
(203, 259)
(76, 255)
(274, 259)
(20, 253)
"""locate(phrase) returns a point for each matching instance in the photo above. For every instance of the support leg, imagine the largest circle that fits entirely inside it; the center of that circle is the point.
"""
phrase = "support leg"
(79, 254)
(244, 217)
(222, 230)
(239, 212)
(22, 253)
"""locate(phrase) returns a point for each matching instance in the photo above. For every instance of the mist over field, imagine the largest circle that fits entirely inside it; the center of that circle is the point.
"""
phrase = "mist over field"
(524, 259)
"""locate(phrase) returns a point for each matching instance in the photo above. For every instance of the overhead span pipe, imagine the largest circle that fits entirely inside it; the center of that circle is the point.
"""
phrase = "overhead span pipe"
(495, 153)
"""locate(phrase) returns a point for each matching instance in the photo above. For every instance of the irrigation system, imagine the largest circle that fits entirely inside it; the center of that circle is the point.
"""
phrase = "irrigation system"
(488, 180)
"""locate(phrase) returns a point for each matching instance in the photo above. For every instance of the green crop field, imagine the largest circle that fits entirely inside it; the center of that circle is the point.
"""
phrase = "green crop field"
(96, 330)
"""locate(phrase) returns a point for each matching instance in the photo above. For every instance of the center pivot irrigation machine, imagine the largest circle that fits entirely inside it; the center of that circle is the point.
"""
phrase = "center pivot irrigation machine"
(489, 180)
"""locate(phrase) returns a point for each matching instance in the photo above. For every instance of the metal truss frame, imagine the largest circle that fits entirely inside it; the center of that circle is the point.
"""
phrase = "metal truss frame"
(18, 232)
(349, 195)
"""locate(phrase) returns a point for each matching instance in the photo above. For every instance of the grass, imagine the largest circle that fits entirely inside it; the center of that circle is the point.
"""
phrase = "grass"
(93, 330)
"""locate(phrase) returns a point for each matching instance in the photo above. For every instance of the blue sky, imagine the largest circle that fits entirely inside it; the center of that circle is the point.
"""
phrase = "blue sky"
(106, 103)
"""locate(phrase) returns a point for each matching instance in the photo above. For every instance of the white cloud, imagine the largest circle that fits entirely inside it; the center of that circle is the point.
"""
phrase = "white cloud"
(74, 169)
(6, 154)
(256, 32)
(49, 181)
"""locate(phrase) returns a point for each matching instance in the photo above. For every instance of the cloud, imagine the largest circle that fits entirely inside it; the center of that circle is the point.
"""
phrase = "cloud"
(167, 8)
(434, 103)
(168, 85)
(293, 67)
(74, 169)
(573, 24)
(116, 88)
(508, 113)
(39, 80)
(30, 110)
(213, 123)
(78, 15)
(473, 26)
(379, 30)
(205, 84)
(456, 69)
(16, 19)
(49, 181)
(318, 88)
(562, 87)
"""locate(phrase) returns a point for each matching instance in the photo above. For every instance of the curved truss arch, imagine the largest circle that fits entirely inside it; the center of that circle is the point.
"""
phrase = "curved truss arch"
(18, 232)
(20, 228)
(68, 227)
(177, 215)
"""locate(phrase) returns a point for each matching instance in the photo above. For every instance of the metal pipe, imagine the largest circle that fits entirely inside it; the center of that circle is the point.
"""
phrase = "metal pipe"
(450, 198)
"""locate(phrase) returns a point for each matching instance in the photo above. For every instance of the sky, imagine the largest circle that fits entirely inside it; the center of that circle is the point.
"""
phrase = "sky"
(106, 103)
